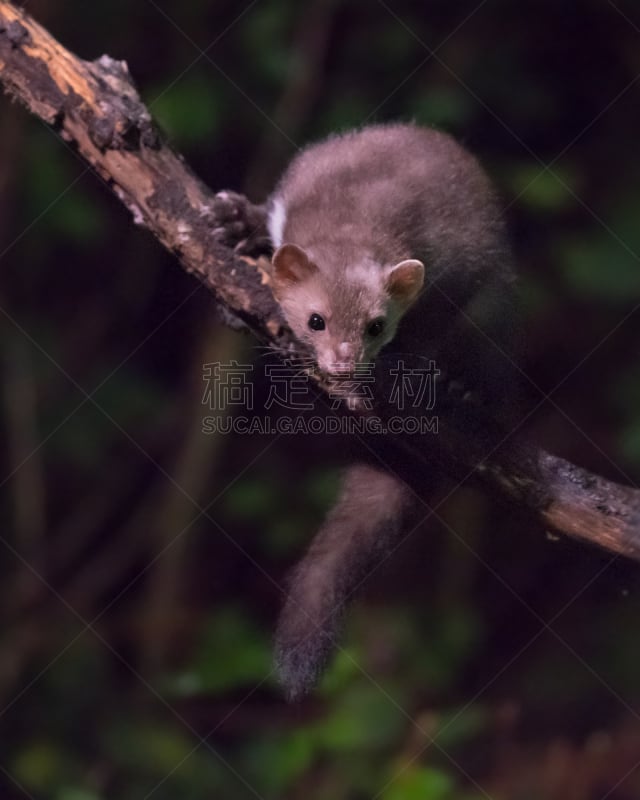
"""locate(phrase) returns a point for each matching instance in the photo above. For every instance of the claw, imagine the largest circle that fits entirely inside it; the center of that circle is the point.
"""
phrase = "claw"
(236, 223)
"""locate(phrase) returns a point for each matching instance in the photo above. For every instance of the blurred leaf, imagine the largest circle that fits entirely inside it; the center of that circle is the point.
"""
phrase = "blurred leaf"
(251, 499)
(165, 760)
(47, 173)
(75, 218)
(629, 442)
(342, 670)
(41, 766)
(460, 726)
(158, 747)
(73, 793)
(600, 267)
(625, 398)
(443, 106)
(420, 784)
(188, 111)
(346, 110)
(284, 534)
(540, 189)
(437, 646)
(363, 718)
(321, 488)
(56, 189)
(233, 652)
(275, 762)
(271, 22)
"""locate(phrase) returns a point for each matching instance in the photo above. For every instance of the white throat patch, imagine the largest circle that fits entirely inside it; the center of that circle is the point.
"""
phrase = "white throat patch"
(276, 222)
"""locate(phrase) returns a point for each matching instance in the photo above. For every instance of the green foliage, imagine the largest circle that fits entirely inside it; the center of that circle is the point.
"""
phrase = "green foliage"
(54, 189)
(271, 22)
(252, 499)
(189, 110)
(443, 106)
(233, 653)
(321, 489)
(541, 189)
(73, 793)
(364, 719)
(41, 766)
(603, 267)
(420, 784)
(276, 762)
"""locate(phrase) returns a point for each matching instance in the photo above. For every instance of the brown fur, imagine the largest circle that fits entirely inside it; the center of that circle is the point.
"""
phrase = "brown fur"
(357, 204)
(392, 192)
(358, 531)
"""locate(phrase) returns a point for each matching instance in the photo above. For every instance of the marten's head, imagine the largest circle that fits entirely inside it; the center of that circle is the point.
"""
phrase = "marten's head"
(344, 314)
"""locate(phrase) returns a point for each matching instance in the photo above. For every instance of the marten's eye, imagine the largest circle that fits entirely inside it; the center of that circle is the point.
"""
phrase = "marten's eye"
(316, 322)
(376, 327)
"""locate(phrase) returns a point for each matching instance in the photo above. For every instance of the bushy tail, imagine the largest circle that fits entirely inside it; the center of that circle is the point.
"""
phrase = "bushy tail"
(358, 531)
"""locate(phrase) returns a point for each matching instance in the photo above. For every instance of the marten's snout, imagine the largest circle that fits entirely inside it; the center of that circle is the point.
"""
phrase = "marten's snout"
(340, 360)
(345, 350)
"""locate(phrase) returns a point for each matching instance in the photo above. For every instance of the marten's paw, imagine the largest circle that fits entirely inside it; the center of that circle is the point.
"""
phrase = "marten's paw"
(239, 224)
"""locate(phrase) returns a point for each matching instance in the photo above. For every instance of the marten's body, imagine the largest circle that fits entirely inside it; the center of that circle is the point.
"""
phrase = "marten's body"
(359, 204)
(388, 243)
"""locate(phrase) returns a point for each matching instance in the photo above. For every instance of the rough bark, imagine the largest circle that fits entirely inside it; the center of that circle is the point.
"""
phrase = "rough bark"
(95, 107)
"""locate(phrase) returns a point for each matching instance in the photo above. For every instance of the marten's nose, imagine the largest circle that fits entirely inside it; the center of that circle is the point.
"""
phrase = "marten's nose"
(343, 361)
(339, 360)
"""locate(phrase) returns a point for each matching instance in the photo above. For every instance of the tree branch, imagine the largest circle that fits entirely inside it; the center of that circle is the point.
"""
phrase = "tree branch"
(95, 107)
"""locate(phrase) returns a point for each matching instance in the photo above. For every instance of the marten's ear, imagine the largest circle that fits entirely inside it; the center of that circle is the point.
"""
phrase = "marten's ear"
(291, 265)
(405, 280)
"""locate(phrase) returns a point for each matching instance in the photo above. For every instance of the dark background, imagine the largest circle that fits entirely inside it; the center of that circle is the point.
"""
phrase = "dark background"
(142, 562)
